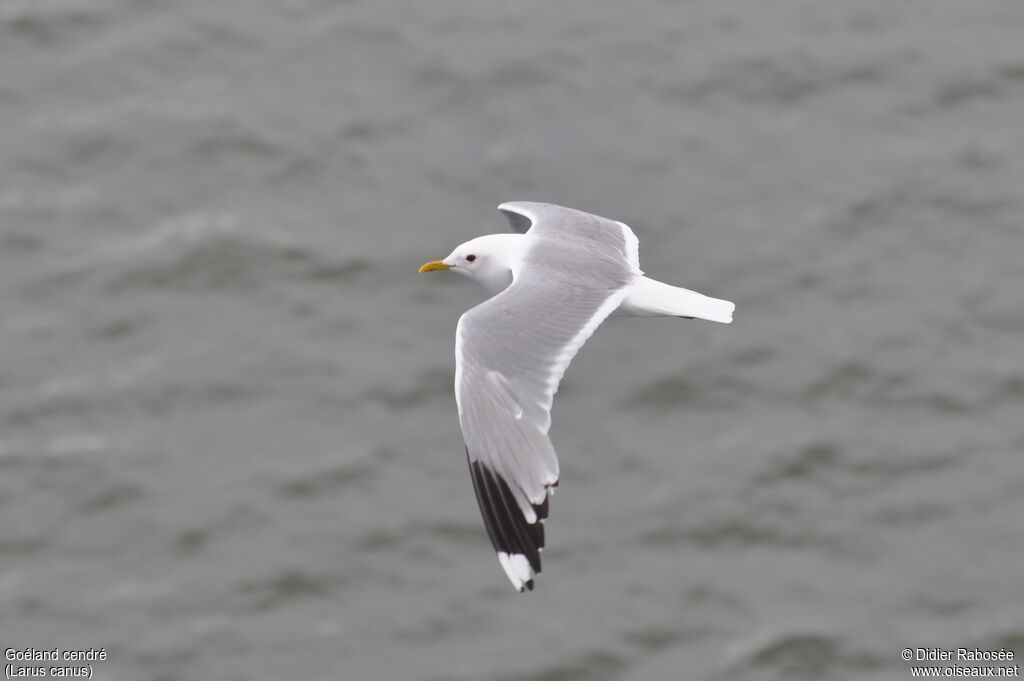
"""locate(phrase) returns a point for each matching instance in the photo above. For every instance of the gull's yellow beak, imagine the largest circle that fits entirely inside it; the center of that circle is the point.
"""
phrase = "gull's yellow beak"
(435, 265)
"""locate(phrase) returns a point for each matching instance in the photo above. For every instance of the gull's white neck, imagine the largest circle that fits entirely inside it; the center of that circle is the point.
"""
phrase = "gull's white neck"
(500, 258)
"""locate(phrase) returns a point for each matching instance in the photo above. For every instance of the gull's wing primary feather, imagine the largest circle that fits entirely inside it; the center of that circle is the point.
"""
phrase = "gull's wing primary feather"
(512, 351)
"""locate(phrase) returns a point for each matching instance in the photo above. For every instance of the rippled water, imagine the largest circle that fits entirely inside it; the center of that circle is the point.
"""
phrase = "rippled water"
(229, 445)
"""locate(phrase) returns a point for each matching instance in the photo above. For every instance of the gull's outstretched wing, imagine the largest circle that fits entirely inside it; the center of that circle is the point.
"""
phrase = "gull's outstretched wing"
(552, 220)
(511, 352)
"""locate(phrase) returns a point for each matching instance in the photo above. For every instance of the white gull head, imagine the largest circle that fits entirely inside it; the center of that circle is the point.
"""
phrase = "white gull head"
(490, 260)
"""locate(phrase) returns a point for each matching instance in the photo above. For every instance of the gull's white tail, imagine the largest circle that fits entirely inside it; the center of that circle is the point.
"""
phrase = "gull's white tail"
(650, 298)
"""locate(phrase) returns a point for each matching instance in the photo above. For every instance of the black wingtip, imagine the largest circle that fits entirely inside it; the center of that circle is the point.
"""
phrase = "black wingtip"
(542, 510)
(506, 524)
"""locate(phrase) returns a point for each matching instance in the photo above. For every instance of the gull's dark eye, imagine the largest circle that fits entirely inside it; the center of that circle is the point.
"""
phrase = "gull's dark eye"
(470, 258)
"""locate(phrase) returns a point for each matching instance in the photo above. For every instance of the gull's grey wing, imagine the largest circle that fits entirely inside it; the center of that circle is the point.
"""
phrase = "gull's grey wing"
(511, 352)
(548, 219)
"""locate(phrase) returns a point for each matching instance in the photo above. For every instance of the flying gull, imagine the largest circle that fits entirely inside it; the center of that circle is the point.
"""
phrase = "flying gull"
(553, 283)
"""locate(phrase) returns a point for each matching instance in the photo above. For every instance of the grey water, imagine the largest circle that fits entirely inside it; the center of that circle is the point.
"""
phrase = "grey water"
(229, 446)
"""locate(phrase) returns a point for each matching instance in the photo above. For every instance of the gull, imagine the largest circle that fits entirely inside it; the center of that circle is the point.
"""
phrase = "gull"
(553, 282)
